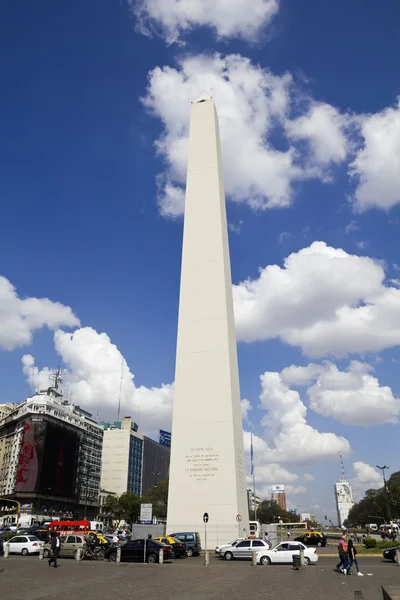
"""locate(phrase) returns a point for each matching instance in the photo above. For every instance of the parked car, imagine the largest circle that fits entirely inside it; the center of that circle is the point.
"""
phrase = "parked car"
(69, 546)
(311, 538)
(390, 553)
(244, 549)
(179, 548)
(42, 534)
(220, 549)
(112, 538)
(283, 553)
(24, 544)
(191, 539)
(134, 551)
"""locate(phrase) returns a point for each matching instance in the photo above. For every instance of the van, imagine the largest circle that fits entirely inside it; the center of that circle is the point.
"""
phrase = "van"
(371, 526)
(192, 541)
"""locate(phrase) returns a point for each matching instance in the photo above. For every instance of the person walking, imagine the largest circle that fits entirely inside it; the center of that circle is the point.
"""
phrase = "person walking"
(344, 564)
(352, 552)
(55, 545)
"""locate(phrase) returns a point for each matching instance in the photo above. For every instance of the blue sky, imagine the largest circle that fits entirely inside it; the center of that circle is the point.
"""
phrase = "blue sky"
(91, 214)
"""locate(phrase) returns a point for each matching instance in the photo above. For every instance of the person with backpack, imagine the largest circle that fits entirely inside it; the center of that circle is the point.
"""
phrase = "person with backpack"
(352, 553)
(344, 564)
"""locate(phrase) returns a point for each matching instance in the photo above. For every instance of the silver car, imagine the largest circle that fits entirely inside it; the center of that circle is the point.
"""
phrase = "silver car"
(220, 549)
(244, 549)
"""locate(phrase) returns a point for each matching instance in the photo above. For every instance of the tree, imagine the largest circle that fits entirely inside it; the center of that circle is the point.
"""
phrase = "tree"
(374, 506)
(271, 512)
(158, 497)
(129, 507)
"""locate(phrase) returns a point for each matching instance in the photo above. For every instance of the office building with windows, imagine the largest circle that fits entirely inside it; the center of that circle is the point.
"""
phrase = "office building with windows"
(131, 462)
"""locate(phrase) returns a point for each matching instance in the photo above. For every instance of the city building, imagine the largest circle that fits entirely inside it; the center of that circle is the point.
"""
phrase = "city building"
(344, 500)
(50, 455)
(343, 496)
(250, 500)
(207, 469)
(131, 462)
(5, 410)
(279, 495)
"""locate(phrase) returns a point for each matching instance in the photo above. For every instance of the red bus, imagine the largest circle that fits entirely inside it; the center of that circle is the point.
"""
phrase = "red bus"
(72, 527)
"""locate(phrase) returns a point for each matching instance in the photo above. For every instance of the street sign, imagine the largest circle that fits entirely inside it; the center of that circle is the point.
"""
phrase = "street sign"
(146, 514)
(205, 518)
(238, 518)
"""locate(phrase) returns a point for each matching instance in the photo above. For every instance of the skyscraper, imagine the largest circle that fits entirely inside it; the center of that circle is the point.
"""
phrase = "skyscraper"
(207, 472)
(343, 496)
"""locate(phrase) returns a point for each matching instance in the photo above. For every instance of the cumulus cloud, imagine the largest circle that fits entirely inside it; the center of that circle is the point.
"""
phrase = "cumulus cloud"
(93, 378)
(365, 478)
(353, 396)
(323, 127)
(376, 166)
(174, 18)
(253, 105)
(246, 407)
(324, 300)
(21, 317)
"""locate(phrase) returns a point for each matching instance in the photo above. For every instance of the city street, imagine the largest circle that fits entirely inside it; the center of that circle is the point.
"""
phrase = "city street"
(27, 578)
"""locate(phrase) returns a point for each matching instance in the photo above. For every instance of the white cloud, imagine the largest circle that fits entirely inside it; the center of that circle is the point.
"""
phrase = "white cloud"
(323, 299)
(295, 489)
(246, 407)
(174, 18)
(20, 318)
(235, 227)
(395, 282)
(324, 129)
(283, 236)
(362, 244)
(351, 227)
(366, 478)
(253, 104)
(377, 163)
(308, 477)
(353, 397)
(288, 436)
(93, 376)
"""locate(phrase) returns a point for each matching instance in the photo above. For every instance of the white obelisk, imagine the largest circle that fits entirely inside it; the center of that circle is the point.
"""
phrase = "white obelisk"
(207, 472)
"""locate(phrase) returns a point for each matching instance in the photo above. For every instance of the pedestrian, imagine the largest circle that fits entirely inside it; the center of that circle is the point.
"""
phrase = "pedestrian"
(352, 552)
(288, 534)
(344, 564)
(55, 549)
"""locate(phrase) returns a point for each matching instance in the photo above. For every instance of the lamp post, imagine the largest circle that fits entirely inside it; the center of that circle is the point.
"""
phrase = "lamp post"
(385, 488)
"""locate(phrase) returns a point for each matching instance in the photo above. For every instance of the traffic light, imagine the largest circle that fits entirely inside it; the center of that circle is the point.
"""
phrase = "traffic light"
(326, 518)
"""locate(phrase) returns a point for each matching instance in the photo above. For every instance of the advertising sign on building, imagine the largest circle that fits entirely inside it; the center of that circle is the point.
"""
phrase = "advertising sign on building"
(278, 488)
(146, 514)
(165, 438)
(305, 517)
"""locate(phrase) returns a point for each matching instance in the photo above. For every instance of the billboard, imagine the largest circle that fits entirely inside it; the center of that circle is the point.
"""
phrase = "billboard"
(278, 488)
(47, 459)
(305, 517)
(165, 438)
(146, 514)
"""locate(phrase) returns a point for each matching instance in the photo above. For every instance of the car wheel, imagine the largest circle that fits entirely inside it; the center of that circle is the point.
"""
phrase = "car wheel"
(265, 560)
(189, 552)
(306, 561)
(24, 551)
(152, 558)
(46, 553)
(228, 556)
(113, 557)
(395, 558)
(319, 544)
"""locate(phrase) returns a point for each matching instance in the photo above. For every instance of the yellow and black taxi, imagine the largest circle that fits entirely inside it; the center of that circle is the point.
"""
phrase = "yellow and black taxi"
(179, 548)
(312, 538)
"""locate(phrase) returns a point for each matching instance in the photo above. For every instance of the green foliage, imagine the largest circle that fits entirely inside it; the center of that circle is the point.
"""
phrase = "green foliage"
(158, 497)
(373, 508)
(370, 542)
(271, 512)
(8, 536)
(384, 544)
(127, 506)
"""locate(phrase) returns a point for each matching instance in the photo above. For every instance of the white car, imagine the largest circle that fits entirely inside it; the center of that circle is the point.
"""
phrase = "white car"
(283, 554)
(220, 549)
(112, 538)
(24, 544)
(244, 549)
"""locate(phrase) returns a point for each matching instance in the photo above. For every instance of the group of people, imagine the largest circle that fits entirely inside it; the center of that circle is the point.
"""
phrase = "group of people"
(390, 534)
(347, 556)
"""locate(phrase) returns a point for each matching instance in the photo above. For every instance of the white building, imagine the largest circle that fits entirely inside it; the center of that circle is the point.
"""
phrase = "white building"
(50, 456)
(344, 500)
(131, 462)
(250, 499)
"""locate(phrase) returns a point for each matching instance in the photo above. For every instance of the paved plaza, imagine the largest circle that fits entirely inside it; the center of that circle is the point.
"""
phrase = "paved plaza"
(27, 578)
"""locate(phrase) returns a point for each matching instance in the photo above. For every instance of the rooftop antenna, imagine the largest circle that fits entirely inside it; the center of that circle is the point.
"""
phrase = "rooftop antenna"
(120, 389)
(342, 466)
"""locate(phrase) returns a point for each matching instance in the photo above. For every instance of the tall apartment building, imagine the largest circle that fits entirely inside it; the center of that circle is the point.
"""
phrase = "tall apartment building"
(253, 502)
(279, 495)
(50, 458)
(344, 500)
(131, 462)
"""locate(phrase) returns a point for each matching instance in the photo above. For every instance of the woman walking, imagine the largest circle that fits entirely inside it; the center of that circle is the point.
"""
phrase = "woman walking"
(353, 558)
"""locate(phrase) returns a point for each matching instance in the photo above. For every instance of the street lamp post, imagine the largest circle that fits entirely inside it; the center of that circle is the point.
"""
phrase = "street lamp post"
(385, 488)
